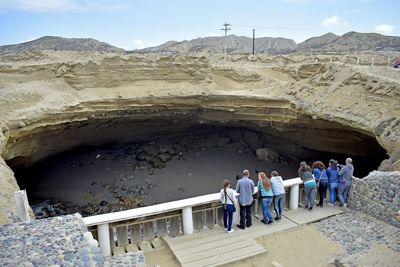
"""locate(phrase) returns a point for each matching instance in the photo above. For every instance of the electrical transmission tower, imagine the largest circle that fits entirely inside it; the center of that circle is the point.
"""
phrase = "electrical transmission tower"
(226, 29)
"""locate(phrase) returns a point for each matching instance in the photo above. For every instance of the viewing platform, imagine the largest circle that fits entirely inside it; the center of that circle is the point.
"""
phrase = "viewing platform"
(214, 247)
(192, 228)
(190, 231)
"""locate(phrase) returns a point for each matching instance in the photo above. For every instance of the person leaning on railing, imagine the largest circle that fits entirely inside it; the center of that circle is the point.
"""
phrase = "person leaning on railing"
(266, 194)
(279, 193)
(346, 176)
(333, 177)
(320, 176)
(310, 186)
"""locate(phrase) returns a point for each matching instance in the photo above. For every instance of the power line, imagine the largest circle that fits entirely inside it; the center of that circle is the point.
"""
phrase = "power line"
(276, 28)
(226, 29)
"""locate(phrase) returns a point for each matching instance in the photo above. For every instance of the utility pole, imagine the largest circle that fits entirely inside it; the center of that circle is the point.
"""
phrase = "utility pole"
(226, 29)
(254, 38)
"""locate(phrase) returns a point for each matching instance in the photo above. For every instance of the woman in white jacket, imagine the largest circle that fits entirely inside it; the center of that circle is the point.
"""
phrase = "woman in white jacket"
(227, 200)
(279, 193)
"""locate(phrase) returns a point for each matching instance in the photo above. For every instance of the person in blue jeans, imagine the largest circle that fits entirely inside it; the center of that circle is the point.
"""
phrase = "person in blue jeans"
(333, 177)
(310, 188)
(265, 188)
(227, 200)
(346, 178)
(279, 193)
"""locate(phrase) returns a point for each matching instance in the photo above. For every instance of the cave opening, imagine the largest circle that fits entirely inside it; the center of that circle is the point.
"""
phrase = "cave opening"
(103, 166)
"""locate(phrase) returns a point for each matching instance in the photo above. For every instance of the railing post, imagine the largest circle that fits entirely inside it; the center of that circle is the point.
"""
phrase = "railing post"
(187, 220)
(21, 202)
(103, 232)
(294, 197)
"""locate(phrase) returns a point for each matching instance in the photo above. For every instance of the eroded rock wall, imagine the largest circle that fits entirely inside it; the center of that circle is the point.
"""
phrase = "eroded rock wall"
(8, 185)
(52, 101)
(378, 195)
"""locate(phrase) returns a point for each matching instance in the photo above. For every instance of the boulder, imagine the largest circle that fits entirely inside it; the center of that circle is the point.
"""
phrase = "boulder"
(395, 166)
(252, 139)
(222, 141)
(267, 154)
(164, 157)
(235, 135)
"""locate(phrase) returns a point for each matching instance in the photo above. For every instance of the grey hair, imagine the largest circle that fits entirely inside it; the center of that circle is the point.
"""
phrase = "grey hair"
(349, 161)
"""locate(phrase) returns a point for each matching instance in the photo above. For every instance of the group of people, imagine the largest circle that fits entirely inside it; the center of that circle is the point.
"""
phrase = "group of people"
(269, 190)
(336, 177)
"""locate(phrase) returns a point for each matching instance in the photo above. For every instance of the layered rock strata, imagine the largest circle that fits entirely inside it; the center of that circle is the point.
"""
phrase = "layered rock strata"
(67, 100)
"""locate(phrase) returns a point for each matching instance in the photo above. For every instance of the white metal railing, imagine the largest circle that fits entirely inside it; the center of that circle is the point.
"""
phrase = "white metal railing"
(179, 214)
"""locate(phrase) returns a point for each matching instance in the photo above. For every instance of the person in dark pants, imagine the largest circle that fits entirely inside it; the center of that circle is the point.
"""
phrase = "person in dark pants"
(319, 171)
(245, 188)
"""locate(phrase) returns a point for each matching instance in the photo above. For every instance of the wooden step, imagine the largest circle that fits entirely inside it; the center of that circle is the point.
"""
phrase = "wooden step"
(229, 254)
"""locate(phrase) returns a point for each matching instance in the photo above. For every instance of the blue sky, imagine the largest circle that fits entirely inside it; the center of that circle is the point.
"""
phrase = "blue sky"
(141, 23)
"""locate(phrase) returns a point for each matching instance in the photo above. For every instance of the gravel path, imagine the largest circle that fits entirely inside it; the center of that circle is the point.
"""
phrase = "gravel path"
(362, 236)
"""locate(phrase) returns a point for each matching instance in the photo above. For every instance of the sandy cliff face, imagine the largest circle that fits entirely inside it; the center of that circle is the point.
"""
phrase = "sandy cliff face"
(64, 100)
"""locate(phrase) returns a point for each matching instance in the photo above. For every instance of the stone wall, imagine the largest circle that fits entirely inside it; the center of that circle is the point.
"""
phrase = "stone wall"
(378, 195)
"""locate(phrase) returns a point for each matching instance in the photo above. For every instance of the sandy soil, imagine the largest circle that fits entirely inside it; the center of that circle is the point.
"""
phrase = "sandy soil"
(162, 257)
(300, 247)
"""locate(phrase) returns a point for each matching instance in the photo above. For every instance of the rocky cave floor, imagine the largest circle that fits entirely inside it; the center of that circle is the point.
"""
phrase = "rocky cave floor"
(112, 178)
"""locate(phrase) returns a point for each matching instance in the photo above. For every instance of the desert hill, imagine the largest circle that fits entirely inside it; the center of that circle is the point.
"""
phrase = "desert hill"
(330, 42)
(351, 41)
(235, 45)
(60, 43)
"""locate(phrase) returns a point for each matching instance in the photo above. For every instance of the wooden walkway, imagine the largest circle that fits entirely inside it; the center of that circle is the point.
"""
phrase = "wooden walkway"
(215, 247)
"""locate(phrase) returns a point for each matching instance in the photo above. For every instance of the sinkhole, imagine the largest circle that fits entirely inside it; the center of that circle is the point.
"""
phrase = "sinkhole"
(101, 165)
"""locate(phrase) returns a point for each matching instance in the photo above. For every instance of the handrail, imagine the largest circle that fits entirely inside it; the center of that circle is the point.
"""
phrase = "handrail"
(165, 207)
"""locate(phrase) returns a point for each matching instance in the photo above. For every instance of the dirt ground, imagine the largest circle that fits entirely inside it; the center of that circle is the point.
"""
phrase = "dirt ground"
(301, 247)
(304, 246)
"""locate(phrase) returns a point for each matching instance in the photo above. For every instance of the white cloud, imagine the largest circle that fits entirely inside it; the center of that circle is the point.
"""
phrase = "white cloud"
(333, 21)
(140, 44)
(58, 5)
(39, 5)
(384, 28)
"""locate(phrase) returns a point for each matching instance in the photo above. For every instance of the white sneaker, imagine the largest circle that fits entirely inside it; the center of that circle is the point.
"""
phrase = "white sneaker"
(226, 229)
(231, 231)
(331, 205)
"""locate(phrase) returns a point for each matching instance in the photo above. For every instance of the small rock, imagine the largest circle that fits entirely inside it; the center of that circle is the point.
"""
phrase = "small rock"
(276, 264)
(93, 243)
(21, 124)
(98, 156)
(68, 257)
(98, 258)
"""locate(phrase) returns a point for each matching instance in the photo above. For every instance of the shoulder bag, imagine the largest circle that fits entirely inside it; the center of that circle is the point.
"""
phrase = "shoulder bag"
(233, 202)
